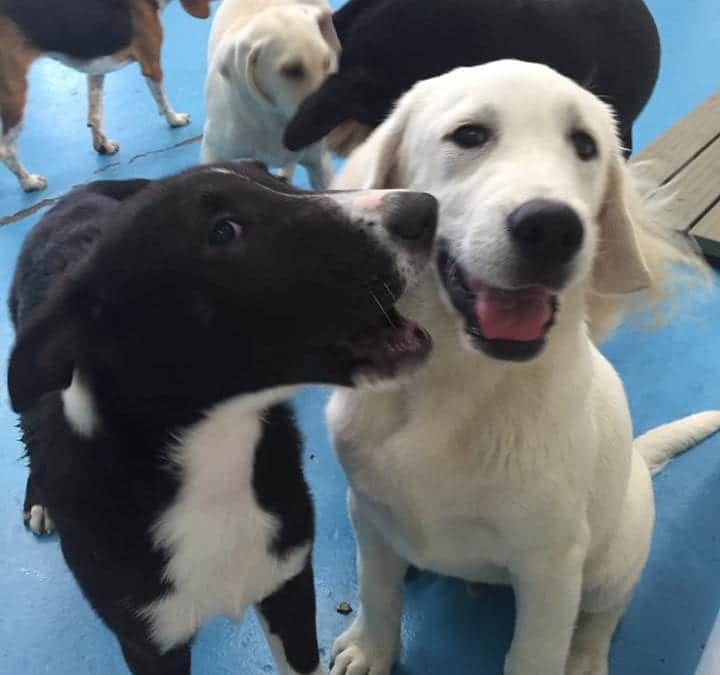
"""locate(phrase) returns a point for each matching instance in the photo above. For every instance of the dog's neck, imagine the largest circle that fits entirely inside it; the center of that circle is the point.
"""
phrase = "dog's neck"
(92, 411)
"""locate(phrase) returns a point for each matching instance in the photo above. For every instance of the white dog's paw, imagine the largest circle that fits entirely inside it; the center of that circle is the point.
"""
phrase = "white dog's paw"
(38, 520)
(178, 119)
(587, 662)
(105, 146)
(354, 653)
(33, 182)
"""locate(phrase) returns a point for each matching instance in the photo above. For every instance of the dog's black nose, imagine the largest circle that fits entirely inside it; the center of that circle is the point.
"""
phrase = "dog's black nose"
(546, 231)
(411, 216)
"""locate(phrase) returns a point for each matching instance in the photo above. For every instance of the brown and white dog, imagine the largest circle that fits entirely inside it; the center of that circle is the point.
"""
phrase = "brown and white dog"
(93, 36)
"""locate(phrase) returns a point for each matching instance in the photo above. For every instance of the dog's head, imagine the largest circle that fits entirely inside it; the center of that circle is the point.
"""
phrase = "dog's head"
(532, 189)
(224, 280)
(283, 55)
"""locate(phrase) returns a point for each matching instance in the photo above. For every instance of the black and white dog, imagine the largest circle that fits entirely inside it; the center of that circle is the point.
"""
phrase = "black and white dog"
(160, 325)
(609, 46)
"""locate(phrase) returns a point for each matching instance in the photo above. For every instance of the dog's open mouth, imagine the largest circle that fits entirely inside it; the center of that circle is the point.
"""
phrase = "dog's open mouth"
(393, 348)
(508, 324)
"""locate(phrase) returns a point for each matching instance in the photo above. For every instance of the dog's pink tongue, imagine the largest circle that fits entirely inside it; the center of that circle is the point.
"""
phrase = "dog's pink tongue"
(513, 315)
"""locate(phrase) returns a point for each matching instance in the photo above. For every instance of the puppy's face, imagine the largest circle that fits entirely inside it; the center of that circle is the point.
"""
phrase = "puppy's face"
(225, 280)
(294, 50)
(524, 163)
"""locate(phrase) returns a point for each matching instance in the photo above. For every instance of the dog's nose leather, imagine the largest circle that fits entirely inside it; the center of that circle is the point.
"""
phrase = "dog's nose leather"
(412, 216)
(546, 231)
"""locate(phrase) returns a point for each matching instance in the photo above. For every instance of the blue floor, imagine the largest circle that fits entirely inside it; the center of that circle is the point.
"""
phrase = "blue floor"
(45, 625)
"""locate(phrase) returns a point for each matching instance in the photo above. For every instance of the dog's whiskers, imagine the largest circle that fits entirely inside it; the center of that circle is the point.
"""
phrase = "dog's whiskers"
(382, 309)
(393, 297)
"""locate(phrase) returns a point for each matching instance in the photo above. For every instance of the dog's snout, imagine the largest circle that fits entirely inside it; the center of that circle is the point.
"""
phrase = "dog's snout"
(546, 231)
(411, 216)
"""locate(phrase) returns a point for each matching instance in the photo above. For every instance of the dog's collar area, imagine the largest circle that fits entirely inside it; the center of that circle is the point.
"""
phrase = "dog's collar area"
(526, 313)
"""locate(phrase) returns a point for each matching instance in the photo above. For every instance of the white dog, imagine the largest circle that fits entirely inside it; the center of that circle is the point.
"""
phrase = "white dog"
(481, 467)
(264, 58)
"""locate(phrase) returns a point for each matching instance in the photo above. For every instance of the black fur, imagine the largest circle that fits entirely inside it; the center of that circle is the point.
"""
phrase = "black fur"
(119, 281)
(610, 46)
(82, 29)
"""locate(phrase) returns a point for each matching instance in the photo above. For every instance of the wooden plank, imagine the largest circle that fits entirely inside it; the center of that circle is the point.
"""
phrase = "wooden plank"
(707, 232)
(696, 188)
(680, 144)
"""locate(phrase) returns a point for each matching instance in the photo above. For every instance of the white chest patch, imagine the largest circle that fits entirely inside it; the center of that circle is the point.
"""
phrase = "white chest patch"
(99, 66)
(217, 535)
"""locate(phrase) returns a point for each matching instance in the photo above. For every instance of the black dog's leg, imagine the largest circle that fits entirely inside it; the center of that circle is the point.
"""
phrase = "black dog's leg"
(144, 659)
(288, 617)
(35, 512)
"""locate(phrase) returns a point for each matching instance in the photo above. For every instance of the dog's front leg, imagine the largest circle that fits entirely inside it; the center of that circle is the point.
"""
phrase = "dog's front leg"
(101, 142)
(319, 168)
(288, 619)
(288, 171)
(548, 586)
(371, 645)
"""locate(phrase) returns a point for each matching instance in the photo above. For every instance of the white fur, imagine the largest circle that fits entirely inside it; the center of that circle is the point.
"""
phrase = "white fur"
(174, 119)
(487, 470)
(39, 521)
(217, 535)
(80, 408)
(99, 66)
(9, 157)
(249, 102)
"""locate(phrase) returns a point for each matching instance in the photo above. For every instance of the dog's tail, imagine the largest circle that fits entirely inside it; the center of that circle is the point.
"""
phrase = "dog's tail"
(659, 445)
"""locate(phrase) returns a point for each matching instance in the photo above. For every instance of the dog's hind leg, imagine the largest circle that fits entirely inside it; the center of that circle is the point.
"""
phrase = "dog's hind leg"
(144, 659)
(173, 118)
(15, 60)
(146, 50)
(288, 619)
(101, 142)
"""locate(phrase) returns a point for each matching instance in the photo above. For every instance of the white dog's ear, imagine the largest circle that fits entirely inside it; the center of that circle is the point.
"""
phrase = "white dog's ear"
(251, 73)
(381, 151)
(327, 29)
(620, 266)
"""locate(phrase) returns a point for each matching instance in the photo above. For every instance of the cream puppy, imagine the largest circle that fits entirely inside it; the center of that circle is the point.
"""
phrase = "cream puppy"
(510, 457)
(264, 58)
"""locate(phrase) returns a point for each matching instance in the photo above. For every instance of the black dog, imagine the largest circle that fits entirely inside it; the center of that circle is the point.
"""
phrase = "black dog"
(160, 326)
(610, 46)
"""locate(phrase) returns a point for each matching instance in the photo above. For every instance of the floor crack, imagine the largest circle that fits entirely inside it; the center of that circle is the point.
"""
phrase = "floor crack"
(30, 210)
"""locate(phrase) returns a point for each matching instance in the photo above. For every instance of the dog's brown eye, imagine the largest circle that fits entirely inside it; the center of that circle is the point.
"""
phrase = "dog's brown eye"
(294, 71)
(585, 145)
(223, 232)
(470, 135)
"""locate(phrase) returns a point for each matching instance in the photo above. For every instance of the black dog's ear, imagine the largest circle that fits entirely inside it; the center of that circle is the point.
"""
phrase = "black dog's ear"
(337, 100)
(119, 190)
(44, 356)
